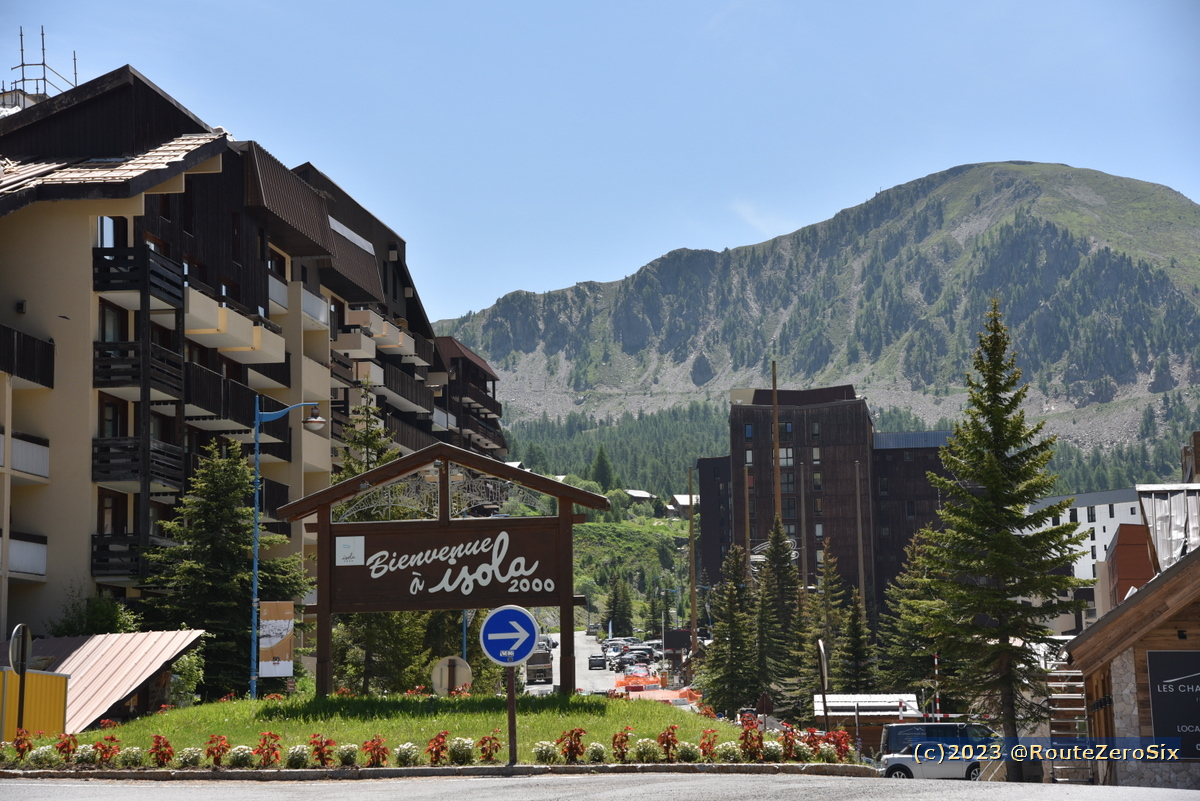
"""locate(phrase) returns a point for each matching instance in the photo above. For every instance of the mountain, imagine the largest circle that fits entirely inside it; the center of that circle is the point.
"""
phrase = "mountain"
(1099, 279)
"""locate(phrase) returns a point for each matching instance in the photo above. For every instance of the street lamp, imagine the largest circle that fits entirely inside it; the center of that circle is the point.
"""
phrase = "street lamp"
(314, 422)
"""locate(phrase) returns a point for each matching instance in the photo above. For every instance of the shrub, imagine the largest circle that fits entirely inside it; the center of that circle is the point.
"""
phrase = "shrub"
(23, 743)
(572, 745)
(461, 751)
(545, 752)
(161, 751)
(66, 746)
(189, 757)
(620, 744)
(346, 755)
(727, 752)
(772, 751)
(595, 753)
(297, 757)
(376, 752)
(688, 752)
(407, 755)
(646, 750)
(86, 755)
(751, 739)
(827, 752)
(107, 748)
(268, 749)
(131, 757)
(240, 756)
(668, 742)
(322, 750)
(804, 752)
(437, 748)
(43, 756)
(488, 745)
(216, 748)
(708, 744)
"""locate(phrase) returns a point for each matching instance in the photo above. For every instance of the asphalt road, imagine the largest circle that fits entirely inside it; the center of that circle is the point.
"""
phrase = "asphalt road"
(587, 680)
(661, 787)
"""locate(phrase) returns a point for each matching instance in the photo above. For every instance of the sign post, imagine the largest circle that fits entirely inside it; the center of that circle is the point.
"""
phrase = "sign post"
(20, 651)
(508, 636)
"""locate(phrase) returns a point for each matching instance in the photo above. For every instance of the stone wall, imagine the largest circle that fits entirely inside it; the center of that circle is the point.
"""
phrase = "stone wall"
(1132, 773)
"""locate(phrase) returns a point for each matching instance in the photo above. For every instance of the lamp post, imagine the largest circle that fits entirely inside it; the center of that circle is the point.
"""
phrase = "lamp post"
(314, 422)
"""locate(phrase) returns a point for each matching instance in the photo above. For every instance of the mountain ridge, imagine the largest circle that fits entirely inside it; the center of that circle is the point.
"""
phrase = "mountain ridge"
(1099, 278)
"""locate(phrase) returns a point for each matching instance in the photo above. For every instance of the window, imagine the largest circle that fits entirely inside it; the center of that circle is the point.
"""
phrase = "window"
(910, 509)
(816, 455)
(885, 531)
(1073, 515)
(785, 432)
(883, 485)
(1091, 514)
(789, 529)
(817, 507)
(816, 479)
(908, 456)
(816, 430)
(1056, 520)
(820, 558)
(113, 513)
(789, 508)
(1133, 510)
(111, 232)
(1111, 512)
(787, 482)
(751, 509)
(749, 456)
(786, 457)
(164, 207)
(819, 531)
(749, 431)
(1093, 551)
(114, 323)
(112, 417)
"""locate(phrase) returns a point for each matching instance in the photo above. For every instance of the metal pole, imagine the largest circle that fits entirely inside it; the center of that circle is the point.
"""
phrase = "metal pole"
(692, 558)
(776, 444)
(254, 573)
(862, 571)
(512, 714)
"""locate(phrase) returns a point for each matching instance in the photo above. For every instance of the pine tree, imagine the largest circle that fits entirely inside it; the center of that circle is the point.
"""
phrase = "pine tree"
(997, 570)
(620, 608)
(853, 662)
(602, 471)
(906, 646)
(206, 576)
(793, 693)
(728, 672)
(777, 588)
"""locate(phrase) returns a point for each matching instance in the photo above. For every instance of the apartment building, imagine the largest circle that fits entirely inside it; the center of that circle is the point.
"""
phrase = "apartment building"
(158, 278)
(843, 488)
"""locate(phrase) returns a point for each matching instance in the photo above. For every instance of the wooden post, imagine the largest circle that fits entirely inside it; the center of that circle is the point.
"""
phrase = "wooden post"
(776, 444)
(692, 559)
(512, 715)
(325, 552)
(566, 609)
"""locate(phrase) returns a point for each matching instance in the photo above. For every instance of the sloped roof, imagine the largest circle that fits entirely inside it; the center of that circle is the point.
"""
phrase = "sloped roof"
(451, 348)
(105, 668)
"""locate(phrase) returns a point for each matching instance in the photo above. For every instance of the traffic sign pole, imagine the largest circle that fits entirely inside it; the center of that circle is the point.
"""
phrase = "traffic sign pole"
(509, 635)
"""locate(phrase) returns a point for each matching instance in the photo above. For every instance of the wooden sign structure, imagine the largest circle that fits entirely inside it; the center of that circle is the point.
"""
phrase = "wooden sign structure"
(448, 560)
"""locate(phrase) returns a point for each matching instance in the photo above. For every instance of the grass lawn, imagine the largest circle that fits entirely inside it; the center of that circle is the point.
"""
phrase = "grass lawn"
(410, 719)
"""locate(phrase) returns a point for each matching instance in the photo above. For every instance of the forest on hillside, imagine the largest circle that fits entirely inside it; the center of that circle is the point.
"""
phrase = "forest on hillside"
(652, 451)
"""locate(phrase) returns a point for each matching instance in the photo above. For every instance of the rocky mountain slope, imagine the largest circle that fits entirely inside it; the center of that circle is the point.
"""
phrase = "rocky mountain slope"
(1099, 279)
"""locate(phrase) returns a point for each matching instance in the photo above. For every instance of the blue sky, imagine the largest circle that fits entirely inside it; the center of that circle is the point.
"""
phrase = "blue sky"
(533, 145)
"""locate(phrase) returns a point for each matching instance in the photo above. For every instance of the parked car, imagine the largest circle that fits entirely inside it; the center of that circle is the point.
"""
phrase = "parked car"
(910, 750)
(597, 662)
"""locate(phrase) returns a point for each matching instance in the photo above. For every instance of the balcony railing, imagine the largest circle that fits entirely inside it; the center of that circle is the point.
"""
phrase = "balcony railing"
(30, 454)
(491, 436)
(205, 389)
(401, 383)
(274, 495)
(138, 269)
(27, 553)
(406, 435)
(26, 357)
(116, 555)
(239, 408)
(417, 348)
(279, 372)
(475, 395)
(129, 364)
(120, 459)
(315, 306)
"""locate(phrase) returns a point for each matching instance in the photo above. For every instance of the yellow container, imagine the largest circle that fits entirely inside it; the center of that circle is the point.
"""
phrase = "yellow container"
(45, 702)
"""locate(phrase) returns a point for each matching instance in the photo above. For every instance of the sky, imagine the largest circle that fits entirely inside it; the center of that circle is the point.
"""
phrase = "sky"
(534, 145)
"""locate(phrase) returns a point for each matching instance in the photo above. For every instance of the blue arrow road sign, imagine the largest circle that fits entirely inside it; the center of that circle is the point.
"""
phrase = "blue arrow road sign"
(508, 635)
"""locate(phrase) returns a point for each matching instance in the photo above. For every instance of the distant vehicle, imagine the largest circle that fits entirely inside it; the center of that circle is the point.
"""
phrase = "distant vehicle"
(538, 669)
(593, 629)
(547, 642)
(901, 744)
(597, 662)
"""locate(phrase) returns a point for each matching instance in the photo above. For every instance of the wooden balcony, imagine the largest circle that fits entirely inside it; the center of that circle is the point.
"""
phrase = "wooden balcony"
(405, 392)
(120, 462)
(120, 369)
(407, 436)
(116, 555)
(416, 348)
(121, 275)
(29, 360)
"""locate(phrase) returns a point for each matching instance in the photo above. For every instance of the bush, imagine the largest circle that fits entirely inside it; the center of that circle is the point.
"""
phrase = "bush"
(407, 755)
(131, 757)
(86, 755)
(346, 755)
(805, 753)
(45, 756)
(728, 751)
(462, 751)
(595, 753)
(827, 752)
(187, 757)
(240, 756)
(772, 751)
(688, 752)
(646, 750)
(297, 757)
(545, 752)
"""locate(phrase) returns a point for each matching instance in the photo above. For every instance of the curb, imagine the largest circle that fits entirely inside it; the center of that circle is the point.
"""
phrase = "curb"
(351, 774)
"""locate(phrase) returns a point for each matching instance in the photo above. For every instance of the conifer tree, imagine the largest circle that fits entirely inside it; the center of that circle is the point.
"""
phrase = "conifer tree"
(602, 471)
(777, 588)
(728, 674)
(620, 608)
(207, 574)
(991, 552)
(853, 660)
(793, 692)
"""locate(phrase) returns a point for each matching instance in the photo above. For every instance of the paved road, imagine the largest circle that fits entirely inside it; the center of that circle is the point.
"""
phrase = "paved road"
(587, 680)
(660, 787)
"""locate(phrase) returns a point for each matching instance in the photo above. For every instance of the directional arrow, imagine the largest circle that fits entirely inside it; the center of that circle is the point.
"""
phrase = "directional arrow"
(519, 635)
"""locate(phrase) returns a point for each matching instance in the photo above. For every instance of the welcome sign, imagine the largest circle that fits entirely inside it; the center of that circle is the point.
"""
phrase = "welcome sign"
(475, 564)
